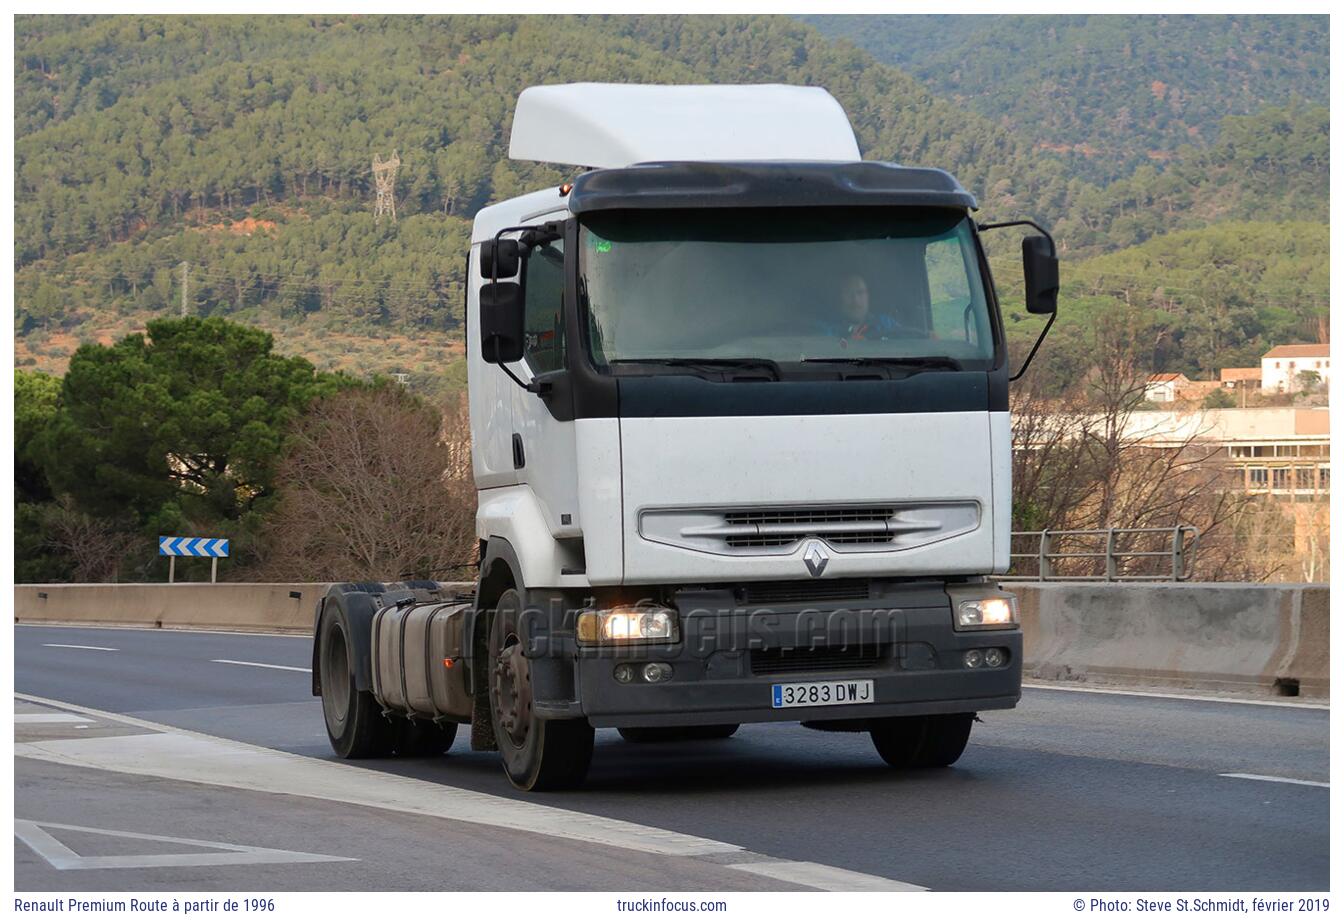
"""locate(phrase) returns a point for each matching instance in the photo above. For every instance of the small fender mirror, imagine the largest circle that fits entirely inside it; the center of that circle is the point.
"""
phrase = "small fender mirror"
(502, 255)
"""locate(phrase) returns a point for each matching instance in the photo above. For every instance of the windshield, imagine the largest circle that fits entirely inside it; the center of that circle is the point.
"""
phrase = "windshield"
(783, 285)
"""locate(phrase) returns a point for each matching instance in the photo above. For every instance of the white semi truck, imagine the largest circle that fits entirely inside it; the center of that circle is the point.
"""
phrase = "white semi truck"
(740, 435)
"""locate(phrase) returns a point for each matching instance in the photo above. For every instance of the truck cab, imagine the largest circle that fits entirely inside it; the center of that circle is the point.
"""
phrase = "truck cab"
(739, 411)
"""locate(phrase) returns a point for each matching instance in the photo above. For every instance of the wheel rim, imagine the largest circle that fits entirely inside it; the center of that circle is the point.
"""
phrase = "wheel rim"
(335, 678)
(512, 679)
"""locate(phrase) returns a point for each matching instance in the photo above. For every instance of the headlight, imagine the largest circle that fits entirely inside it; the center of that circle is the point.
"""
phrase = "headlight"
(627, 624)
(987, 613)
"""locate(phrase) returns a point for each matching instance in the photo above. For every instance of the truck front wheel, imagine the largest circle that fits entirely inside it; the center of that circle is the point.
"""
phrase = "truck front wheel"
(355, 721)
(538, 753)
(922, 741)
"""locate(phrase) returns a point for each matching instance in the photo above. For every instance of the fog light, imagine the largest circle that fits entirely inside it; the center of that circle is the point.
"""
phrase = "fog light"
(624, 673)
(974, 658)
(656, 672)
(987, 613)
(995, 657)
(627, 624)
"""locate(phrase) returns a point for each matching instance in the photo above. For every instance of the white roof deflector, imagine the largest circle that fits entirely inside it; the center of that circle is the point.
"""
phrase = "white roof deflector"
(608, 125)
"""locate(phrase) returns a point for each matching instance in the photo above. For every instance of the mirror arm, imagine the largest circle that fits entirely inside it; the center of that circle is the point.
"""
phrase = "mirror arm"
(1054, 252)
(534, 387)
(1022, 223)
(1039, 339)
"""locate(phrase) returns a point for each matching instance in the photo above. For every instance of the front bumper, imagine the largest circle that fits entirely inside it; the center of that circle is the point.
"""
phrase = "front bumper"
(729, 659)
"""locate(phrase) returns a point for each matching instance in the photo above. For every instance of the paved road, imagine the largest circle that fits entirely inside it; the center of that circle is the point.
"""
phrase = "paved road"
(1072, 791)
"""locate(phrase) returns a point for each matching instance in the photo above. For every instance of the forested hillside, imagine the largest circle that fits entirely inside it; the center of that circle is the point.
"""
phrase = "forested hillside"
(1115, 91)
(242, 147)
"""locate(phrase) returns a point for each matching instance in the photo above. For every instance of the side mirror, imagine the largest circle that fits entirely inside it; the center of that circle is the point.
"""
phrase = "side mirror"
(1040, 267)
(502, 321)
(499, 258)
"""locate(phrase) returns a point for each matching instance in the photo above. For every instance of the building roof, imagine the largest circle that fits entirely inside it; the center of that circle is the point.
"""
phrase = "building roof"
(1232, 374)
(1167, 378)
(1318, 350)
(610, 125)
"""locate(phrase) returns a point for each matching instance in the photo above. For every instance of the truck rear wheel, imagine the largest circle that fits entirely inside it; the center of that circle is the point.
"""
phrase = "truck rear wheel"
(922, 741)
(538, 754)
(355, 721)
(678, 733)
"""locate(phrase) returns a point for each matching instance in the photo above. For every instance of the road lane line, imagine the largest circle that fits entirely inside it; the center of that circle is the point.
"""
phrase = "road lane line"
(258, 664)
(1106, 691)
(23, 718)
(1276, 779)
(186, 756)
(91, 648)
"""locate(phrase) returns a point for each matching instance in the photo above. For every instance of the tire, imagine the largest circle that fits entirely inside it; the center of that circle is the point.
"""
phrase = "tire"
(538, 754)
(945, 739)
(419, 738)
(355, 722)
(678, 733)
(922, 741)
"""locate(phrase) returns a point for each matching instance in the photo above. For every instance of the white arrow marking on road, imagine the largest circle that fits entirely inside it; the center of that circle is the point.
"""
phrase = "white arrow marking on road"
(91, 648)
(62, 857)
(258, 664)
(1276, 779)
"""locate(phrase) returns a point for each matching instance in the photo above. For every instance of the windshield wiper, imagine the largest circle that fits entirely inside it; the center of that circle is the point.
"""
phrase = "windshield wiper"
(916, 363)
(709, 363)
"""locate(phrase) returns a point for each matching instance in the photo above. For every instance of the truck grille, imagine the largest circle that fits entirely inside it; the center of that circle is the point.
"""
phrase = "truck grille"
(845, 658)
(805, 592)
(781, 530)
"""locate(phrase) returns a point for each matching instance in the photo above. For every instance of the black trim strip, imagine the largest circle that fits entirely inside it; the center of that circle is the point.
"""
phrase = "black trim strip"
(766, 185)
(678, 396)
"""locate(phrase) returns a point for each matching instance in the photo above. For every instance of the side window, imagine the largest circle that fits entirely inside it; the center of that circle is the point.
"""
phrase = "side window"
(949, 291)
(544, 322)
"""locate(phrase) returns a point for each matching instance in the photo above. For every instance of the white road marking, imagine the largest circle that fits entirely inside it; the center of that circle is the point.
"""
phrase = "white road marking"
(258, 664)
(91, 648)
(177, 754)
(1175, 696)
(30, 717)
(62, 857)
(1276, 779)
(824, 878)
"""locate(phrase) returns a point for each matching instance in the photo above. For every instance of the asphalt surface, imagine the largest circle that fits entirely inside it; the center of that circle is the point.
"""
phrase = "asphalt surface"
(1071, 791)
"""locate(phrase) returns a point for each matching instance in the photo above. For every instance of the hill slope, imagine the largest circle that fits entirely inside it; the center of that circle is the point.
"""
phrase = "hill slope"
(1120, 90)
(242, 147)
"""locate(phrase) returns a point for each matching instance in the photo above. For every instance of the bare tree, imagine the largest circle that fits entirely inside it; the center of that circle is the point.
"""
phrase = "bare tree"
(97, 546)
(1087, 463)
(374, 485)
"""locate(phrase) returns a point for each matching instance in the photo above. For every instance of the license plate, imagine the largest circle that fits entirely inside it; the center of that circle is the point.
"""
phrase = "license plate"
(822, 693)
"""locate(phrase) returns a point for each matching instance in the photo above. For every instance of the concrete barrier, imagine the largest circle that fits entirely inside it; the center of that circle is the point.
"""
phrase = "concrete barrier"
(227, 605)
(1258, 639)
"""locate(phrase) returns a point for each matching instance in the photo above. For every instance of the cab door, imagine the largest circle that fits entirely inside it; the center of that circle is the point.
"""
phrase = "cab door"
(544, 447)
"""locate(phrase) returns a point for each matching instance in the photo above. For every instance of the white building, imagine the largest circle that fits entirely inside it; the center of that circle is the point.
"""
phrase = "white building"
(1280, 366)
(1162, 387)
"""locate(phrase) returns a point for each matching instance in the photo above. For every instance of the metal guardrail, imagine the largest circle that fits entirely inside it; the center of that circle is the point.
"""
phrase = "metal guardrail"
(1125, 553)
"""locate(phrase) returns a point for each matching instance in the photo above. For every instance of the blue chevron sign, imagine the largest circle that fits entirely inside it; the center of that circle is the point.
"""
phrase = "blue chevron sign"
(207, 547)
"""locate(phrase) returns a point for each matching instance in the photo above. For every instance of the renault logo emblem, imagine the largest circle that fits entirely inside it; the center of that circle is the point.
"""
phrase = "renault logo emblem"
(816, 559)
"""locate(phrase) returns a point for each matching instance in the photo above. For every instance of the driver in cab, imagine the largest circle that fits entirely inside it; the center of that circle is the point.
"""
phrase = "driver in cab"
(853, 320)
